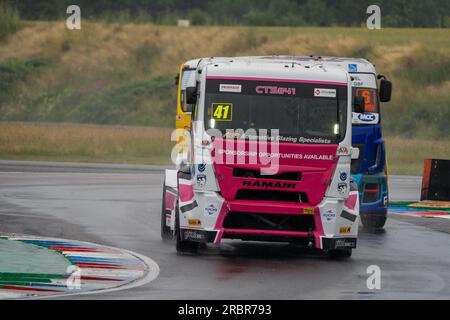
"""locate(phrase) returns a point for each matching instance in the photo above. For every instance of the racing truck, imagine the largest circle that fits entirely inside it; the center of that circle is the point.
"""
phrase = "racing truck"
(370, 169)
(267, 156)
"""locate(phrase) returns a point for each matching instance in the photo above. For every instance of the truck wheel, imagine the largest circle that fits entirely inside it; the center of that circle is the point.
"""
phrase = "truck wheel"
(183, 246)
(340, 253)
(166, 233)
(373, 221)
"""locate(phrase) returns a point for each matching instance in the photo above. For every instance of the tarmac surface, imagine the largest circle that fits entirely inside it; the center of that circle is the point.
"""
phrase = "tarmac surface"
(119, 206)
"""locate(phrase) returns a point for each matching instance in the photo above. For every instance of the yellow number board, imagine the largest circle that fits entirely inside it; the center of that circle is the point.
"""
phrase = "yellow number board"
(222, 111)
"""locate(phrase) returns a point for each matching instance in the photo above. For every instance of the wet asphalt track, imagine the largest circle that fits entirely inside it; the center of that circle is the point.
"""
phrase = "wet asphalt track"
(120, 206)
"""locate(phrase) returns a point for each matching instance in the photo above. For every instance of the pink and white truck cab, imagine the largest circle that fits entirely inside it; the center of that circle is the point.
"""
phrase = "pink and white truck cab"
(269, 157)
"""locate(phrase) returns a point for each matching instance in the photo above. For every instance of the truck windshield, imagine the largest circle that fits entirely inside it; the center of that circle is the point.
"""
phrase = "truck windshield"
(302, 112)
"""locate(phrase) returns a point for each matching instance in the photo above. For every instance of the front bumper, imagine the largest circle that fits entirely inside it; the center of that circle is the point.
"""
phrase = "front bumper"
(284, 222)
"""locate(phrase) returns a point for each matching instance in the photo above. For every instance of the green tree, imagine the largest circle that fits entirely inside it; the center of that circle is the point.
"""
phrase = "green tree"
(199, 17)
(316, 13)
(398, 13)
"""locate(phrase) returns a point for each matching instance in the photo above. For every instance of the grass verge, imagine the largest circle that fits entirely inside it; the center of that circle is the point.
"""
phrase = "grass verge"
(406, 156)
(85, 143)
(150, 145)
(122, 73)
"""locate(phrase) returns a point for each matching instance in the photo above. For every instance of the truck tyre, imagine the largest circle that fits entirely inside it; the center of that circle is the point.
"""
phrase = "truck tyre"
(183, 246)
(340, 253)
(372, 221)
(166, 233)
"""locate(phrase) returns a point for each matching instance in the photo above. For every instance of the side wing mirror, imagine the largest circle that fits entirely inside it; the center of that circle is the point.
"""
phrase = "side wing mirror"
(385, 90)
(359, 104)
(189, 99)
(191, 95)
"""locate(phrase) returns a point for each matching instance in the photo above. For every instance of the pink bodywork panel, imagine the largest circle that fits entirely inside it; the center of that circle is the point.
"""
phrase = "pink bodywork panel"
(351, 200)
(170, 200)
(186, 192)
(315, 179)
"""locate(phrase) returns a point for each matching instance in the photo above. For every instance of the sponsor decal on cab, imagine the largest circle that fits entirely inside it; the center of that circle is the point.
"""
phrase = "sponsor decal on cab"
(329, 215)
(236, 88)
(342, 188)
(325, 93)
(343, 151)
(202, 167)
(195, 222)
(201, 180)
(300, 156)
(275, 90)
(366, 117)
(352, 67)
(385, 201)
(345, 230)
(268, 184)
(211, 209)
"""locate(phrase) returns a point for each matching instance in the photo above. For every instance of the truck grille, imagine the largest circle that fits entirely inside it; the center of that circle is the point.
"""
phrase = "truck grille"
(244, 173)
(272, 195)
(259, 221)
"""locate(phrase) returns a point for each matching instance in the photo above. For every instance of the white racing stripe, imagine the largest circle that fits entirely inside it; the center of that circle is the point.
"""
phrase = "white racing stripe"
(10, 295)
(152, 274)
(93, 255)
(87, 272)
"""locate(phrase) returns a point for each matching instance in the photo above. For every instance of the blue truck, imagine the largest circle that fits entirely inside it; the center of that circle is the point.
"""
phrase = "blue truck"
(370, 169)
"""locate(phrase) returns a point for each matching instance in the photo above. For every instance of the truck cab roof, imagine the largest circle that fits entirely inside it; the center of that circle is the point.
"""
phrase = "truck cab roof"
(272, 68)
(352, 65)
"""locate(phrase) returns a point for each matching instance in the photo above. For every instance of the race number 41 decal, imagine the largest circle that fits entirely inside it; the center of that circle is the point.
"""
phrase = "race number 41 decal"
(222, 111)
